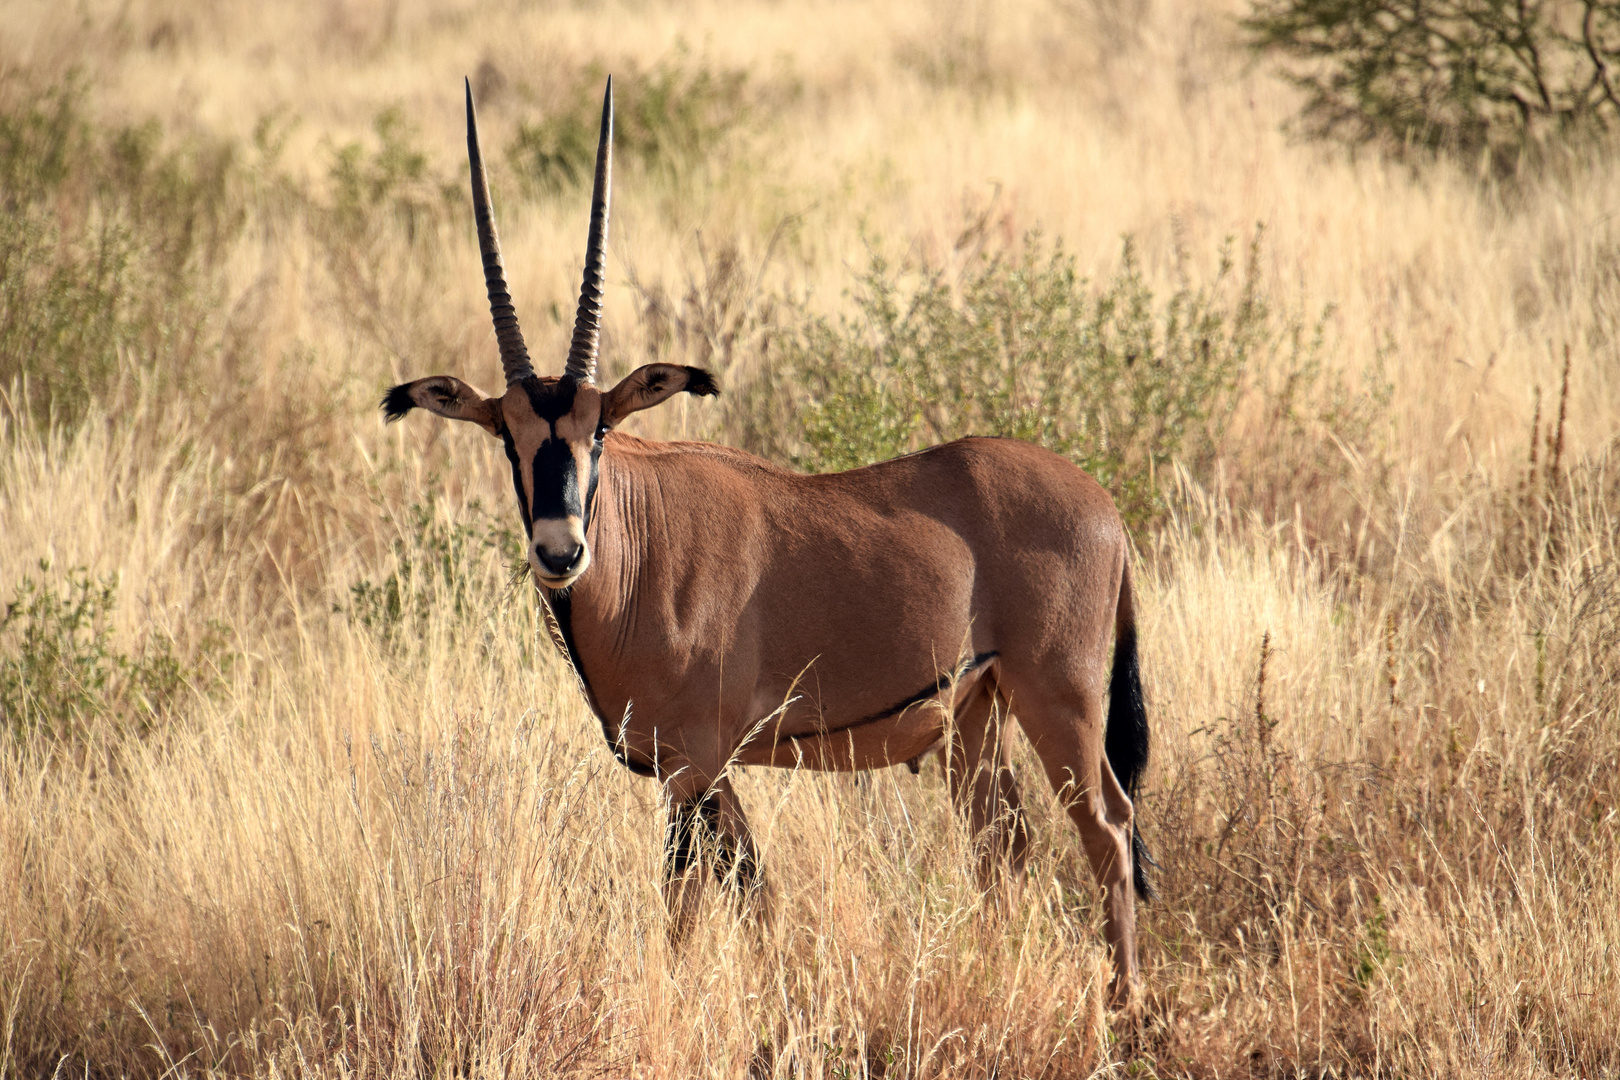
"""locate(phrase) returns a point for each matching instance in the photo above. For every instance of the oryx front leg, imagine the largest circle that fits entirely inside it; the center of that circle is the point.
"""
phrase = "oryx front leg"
(708, 824)
(683, 879)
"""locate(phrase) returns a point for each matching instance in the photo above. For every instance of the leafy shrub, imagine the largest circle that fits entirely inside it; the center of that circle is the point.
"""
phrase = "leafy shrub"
(60, 669)
(41, 137)
(105, 236)
(1021, 345)
(392, 183)
(1463, 75)
(63, 316)
(437, 565)
(720, 318)
(947, 59)
(383, 199)
(665, 119)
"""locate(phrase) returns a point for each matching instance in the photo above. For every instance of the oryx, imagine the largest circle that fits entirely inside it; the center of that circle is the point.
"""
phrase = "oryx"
(719, 609)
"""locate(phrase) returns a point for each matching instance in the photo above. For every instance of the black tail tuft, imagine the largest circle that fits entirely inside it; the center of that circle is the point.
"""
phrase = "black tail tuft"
(1126, 743)
(397, 402)
(700, 383)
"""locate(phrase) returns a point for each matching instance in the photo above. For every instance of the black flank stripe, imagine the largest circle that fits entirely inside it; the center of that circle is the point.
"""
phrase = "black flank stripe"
(895, 710)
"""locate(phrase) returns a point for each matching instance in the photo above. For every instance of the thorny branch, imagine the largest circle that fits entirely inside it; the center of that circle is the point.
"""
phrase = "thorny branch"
(1458, 75)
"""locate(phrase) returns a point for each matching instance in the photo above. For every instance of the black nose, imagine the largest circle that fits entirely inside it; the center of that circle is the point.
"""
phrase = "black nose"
(559, 564)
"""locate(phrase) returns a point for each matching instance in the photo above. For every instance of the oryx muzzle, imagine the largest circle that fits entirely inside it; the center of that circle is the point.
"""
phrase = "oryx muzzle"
(718, 608)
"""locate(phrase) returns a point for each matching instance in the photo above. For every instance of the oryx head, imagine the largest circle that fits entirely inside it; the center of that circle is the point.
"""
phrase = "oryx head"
(553, 427)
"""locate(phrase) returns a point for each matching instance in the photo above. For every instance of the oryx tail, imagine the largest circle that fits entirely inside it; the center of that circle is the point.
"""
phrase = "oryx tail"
(1126, 742)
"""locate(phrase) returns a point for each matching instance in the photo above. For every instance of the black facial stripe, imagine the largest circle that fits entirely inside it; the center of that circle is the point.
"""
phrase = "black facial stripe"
(556, 482)
(550, 401)
(590, 488)
(556, 473)
(517, 480)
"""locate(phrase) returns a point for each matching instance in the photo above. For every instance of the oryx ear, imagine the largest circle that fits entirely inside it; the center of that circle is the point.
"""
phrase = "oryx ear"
(647, 386)
(448, 397)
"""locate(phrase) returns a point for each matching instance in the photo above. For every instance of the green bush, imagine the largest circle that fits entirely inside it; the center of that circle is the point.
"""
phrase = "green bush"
(63, 311)
(61, 672)
(106, 235)
(380, 200)
(42, 136)
(1458, 75)
(392, 184)
(666, 119)
(1112, 377)
(437, 568)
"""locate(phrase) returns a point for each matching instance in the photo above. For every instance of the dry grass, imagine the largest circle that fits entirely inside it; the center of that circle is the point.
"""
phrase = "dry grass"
(1384, 693)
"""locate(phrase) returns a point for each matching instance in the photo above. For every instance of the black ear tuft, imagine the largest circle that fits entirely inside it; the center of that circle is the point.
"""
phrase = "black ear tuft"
(397, 402)
(701, 383)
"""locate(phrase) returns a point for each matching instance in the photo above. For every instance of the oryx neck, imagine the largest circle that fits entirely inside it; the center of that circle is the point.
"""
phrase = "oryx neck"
(617, 529)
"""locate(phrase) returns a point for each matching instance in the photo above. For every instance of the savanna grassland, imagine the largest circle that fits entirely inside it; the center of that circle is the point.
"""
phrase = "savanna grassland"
(294, 783)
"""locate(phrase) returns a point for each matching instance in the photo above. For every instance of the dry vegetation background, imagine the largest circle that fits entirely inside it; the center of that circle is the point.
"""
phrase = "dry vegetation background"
(293, 783)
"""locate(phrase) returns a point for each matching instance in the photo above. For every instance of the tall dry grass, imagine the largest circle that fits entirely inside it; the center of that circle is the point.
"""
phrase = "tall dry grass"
(375, 831)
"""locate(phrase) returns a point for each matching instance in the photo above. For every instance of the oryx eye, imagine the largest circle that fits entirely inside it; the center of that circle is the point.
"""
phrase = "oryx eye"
(601, 430)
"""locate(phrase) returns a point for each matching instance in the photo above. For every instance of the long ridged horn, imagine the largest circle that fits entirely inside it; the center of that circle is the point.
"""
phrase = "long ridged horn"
(588, 320)
(514, 354)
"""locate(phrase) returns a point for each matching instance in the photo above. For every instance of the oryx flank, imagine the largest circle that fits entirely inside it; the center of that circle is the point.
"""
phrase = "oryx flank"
(719, 609)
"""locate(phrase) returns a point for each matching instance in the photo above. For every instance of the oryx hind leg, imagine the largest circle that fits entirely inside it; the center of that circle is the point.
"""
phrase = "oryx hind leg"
(983, 787)
(1065, 726)
(707, 824)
